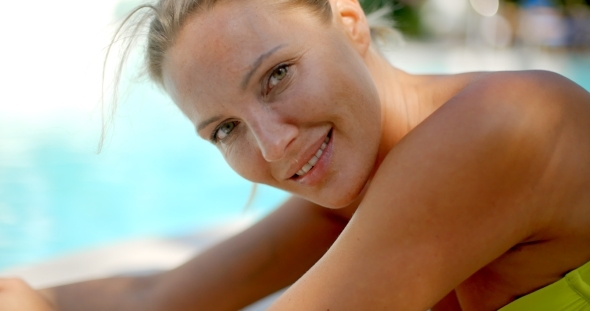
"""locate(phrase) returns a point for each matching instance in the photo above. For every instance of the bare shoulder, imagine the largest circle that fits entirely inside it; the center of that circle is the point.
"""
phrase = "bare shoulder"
(539, 117)
(460, 190)
(535, 123)
(537, 105)
(545, 111)
(510, 91)
(525, 89)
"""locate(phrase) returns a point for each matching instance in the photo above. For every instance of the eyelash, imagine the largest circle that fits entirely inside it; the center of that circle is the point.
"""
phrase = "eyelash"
(267, 87)
(214, 138)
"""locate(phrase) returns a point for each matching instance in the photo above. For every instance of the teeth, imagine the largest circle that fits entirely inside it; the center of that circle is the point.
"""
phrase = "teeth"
(314, 160)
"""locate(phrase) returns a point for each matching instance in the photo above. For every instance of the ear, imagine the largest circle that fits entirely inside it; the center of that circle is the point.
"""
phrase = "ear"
(351, 17)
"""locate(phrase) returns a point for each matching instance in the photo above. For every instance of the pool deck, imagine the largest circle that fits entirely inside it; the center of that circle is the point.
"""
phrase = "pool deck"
(131, 257)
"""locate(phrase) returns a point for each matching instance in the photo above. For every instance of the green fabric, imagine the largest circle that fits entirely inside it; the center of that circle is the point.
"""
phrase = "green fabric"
(572, 293)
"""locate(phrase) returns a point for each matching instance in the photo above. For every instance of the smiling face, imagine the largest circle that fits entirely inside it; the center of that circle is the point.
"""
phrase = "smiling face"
(285, 96)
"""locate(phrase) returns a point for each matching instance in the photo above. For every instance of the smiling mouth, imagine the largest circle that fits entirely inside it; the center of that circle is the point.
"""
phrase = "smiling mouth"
(314, 160)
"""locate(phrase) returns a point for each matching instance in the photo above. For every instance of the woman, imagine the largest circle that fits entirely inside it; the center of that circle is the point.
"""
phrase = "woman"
(468, 191)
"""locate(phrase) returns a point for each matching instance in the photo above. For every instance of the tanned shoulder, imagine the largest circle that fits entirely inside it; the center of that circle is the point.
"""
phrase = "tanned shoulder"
(538, 113)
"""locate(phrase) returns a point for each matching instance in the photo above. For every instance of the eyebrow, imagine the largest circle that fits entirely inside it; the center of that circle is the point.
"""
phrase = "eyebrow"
(206, 123)
(245, 82)
(257, 64)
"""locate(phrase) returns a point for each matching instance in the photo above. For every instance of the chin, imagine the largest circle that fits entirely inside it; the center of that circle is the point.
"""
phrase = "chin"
(345, 192)
(342, 197)
(338, 204)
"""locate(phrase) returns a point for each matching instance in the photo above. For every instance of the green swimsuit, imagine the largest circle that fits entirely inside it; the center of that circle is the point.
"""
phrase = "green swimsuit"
(572, 293)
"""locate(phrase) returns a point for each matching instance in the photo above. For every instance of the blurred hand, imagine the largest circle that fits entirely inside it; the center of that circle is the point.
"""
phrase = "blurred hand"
(16, 295)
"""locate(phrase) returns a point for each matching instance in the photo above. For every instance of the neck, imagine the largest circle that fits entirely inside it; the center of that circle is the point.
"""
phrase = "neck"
(403, 103)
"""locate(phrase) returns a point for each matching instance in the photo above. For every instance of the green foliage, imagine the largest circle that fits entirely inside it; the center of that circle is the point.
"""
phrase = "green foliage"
(408, 20)
(406, 17)
(371, 5)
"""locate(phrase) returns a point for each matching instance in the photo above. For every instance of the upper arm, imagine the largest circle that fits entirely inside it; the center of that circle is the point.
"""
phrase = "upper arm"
(448, 303)
(264, 258)
(455, 194)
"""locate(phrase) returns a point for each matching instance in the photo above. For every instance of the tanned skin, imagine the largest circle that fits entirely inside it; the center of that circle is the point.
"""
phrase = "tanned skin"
(450, 192)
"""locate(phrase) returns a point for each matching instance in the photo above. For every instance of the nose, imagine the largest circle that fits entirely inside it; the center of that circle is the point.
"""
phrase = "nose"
(273, 136)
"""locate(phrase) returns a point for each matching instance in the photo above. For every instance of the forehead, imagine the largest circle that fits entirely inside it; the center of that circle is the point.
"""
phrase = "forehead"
(216, 48)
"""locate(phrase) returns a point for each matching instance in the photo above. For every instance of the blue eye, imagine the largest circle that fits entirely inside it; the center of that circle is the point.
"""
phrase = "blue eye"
(223, 131)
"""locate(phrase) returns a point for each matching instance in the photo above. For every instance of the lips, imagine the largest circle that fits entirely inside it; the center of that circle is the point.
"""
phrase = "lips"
(310, 164)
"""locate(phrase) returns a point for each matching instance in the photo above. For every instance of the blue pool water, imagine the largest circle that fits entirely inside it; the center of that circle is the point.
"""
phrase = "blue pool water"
(154, 177)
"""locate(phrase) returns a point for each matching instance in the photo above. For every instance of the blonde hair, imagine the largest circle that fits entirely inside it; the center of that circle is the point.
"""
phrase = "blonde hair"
(164, 20)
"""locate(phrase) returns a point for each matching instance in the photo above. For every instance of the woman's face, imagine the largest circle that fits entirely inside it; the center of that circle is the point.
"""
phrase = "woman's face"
(285, 97)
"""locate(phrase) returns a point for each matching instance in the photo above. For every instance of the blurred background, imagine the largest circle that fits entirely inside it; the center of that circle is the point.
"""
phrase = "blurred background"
(154, 177)
(494, 23)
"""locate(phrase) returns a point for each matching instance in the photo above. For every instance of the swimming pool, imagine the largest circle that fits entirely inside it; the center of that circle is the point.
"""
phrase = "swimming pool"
(155, 177)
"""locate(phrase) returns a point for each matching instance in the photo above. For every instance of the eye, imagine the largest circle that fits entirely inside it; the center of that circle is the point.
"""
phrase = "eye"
(223, 131)
(277, 75)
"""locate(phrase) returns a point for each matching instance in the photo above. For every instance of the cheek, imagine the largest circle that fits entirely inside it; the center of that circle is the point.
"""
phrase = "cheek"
(309, 97)
(245, 159)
